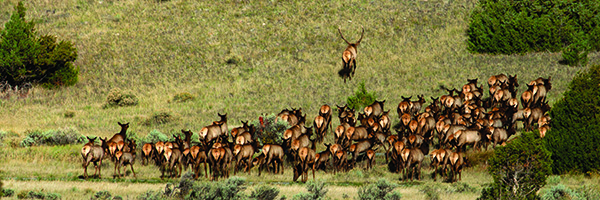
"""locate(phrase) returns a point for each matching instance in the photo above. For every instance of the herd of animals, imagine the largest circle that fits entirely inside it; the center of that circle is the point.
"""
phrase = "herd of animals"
(442, 130)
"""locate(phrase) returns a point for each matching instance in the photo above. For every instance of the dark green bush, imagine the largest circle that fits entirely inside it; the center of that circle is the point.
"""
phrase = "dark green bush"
(316, 191)
(264, 192)
(6, 192)
(61, 136)
(573, 138)
(102, 195)
(382, 189)
(519, 169)
(153, 137)
(272, 132)
(232, 188)
(362, 98)
(27, 58)
(116, 97)
(186, 183)
(520, 26)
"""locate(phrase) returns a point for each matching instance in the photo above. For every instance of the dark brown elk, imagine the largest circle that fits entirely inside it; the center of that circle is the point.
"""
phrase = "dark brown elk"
(273, 156)
(322, 159)
(173, 158)
(198, 155)
(456, 162)
(125, 158)
(243, 155)
(305, 158)
(396, 156)
(413, 160)
(417, 105)
(499, 135)
(320, 125)
(346, 115)
(527, 96)
(434, 107)
(325, 111)
(404, 106)
(238, 130)
(357, 133)
(93, 153)
(349, 57)
(370, 158)
(438, 158)
(340, 161)
(375, 109)
(293, 117)
(360, 147)
(246, 137)
(121, 135)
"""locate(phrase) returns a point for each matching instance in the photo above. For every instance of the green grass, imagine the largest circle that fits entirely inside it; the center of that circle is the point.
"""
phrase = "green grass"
(242, 58)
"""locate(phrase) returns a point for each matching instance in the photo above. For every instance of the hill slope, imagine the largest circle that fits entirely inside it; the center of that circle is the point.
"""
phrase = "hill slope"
(248, 58)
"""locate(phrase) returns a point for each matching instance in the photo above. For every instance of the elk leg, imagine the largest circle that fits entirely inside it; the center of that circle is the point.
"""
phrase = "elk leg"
(132, 171)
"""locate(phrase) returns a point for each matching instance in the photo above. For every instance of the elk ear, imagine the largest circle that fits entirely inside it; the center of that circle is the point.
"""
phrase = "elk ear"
(119, 123)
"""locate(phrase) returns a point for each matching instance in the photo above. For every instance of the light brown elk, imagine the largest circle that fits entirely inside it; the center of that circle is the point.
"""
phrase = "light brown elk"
(417, 105)
(413, 160)
(198, 156)
(93, 153)
(533, 115)
(438, 158)
(456, 162)
(325, 112)
(305, 159)
(173, 158)
(370, 158)
(466, 137)
(273, 156)
(210, 133)
(122, 135)
(238, 130)
(349, 56)
(320, 125)
(223, 123)
(243, 155)
(147, 150)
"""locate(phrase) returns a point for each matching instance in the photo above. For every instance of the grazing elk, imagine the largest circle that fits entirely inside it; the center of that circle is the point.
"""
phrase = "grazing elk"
(349, 57)
(93, 153)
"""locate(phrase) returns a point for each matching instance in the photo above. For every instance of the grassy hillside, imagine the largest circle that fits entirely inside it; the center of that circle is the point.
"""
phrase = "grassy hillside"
(284, 54)
(243, 58)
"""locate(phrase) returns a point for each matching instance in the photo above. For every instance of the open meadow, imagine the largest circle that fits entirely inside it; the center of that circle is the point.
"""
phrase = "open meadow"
(246, 59)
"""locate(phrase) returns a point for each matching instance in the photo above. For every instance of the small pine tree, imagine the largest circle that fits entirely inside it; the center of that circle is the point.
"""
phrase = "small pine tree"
(361, 98)
(27, 58)
(519, 169)
(573, 138)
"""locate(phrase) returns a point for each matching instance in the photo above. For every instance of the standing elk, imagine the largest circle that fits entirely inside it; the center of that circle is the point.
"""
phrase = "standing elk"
(375, 109)
(93, 153)
(322, 158)
(456, 162)
(124, 158)
(305, 157)
(413, 160)
(349, 57)
(273, 156)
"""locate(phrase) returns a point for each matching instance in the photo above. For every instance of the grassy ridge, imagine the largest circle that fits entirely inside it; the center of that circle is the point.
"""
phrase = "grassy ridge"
(286, 55)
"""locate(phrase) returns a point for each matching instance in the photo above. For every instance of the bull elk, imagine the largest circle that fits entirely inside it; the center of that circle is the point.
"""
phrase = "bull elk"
(349, 57)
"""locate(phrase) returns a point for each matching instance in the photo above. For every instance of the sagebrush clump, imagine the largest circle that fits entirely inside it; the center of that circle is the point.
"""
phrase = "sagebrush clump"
(116, 97)
(61, 136)
(382, 189)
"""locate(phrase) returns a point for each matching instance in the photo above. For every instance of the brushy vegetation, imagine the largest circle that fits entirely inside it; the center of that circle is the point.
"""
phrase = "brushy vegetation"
(159, 118)
(562, 192)
(519, 169)
(575, 121)
(361, 98)
(430, 193)
(520, 26)
(63, 136)
(183, 97)
(382, 189)
(231, 189)
(38, 195)
(264, 192)
(27, 58)
(316, 191)
(116, 97)
(272, 132)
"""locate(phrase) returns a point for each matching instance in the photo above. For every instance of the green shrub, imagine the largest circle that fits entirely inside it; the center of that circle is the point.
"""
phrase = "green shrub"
(316, 191)
(519, 169)
(159, 118)
(151, 195)
(519, 26)
(186, 183)
(6, 192)
(38, 195)
(102, 195)
(572, 140)
(183, 97)
(230, 189)
(153, 137)
(26, 58)
(264, 192)
(361, 98)
(116, 97)
(272, 132)
(61, 136)
(461, 187)
(382, 189)
(560, 192)
(430, 193)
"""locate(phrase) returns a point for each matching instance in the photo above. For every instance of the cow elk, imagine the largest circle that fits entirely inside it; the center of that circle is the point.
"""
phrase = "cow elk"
(93, 153)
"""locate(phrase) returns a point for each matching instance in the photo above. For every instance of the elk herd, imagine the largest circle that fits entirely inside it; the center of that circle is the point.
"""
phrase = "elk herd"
(441, 130)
